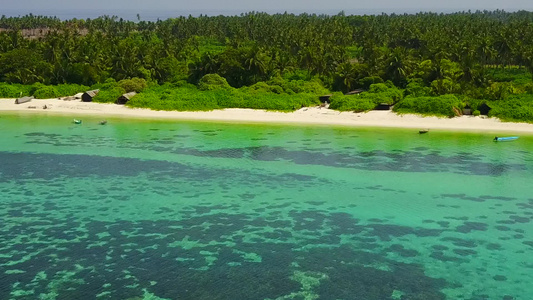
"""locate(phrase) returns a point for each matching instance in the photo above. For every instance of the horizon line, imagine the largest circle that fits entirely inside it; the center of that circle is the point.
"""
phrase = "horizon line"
(156, 14)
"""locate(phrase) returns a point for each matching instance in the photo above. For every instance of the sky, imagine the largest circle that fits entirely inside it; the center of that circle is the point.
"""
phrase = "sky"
(231, 7)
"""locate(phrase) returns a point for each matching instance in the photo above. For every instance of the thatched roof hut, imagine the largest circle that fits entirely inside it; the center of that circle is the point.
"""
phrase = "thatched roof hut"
(383, 106)
(125, 98)
(23, 100)
(89, 95)
(467, 110)
(484, 109)
(324, 99)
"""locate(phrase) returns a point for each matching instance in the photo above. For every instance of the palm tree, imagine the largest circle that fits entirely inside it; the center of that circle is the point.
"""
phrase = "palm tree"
(399, 65)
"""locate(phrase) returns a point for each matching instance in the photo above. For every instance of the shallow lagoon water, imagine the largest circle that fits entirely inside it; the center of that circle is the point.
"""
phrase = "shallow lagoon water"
(182, 210)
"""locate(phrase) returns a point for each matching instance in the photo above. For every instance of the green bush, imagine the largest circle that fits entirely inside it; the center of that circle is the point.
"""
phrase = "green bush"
(297, 75)
(34, 87)
(133, 85)
(187, 98)
(212, 82)
(445, 105)
(377, 94)
(314, 86)
(499, 91)
(13, 90)
(40, 91)
(473, 92)
(444, 86)
(109, 95)
(46, 92)
(279, 102)
(416, 88)
(383, 93)
(367, 81)
(476, 113)
(8, 91)
(266, 88)
(354, 103)
(516, 108)
(528, 88)
(109, 92)
(64, 90)
(519, 77)
(378, 88)
(107, 85)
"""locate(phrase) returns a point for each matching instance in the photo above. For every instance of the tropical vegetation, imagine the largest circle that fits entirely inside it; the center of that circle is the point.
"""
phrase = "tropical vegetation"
(424, 63)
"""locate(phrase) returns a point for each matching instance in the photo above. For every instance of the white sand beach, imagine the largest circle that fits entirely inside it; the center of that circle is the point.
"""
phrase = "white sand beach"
(311, 115)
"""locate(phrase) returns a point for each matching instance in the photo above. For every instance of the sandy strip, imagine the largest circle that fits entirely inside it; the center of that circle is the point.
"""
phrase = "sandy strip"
(311, 115)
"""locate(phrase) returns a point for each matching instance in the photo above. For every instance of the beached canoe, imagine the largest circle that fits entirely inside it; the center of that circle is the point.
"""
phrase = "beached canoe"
(505, 139)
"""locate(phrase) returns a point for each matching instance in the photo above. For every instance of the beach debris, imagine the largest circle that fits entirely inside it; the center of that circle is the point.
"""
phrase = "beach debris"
(103, 122)
(355, 92)
(325, 105)
(75, 97)
(23, 99)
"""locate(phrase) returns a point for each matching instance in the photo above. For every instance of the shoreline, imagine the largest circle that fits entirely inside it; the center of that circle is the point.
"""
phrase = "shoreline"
(304, 116)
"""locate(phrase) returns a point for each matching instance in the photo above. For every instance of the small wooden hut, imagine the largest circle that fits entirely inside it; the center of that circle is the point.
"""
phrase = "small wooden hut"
(467, 110)
(383, 106)
(89, 95)
(125, 98)
(23, 100)
(324, 99)
(484, 109)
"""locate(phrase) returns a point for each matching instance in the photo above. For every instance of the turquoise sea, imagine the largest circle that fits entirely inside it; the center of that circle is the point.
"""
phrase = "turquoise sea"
(144, 209)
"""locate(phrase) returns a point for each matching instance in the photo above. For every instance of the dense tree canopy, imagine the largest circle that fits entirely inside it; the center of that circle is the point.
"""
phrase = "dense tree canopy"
(426, 54)
(256, 46)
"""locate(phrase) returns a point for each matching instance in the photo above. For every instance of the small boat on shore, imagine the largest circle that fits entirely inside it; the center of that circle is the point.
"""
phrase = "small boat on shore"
(505, 139)
(422, 131)
(103, 122)
(76, 121)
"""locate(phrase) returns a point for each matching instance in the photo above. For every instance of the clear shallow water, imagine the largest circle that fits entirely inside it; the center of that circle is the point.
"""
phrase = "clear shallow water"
(144, 209)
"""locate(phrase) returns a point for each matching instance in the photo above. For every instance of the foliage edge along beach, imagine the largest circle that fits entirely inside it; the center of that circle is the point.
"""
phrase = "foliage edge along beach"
(425, 63)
